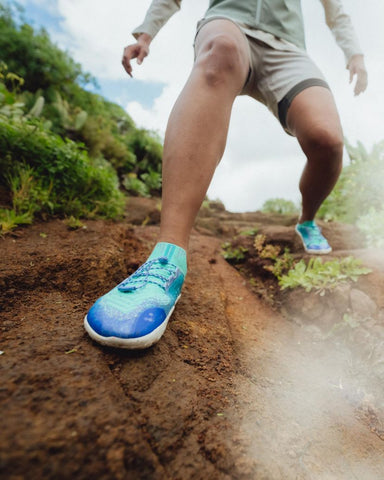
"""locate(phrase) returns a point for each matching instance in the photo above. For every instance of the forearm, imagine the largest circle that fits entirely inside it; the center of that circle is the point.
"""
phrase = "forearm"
(342, 29)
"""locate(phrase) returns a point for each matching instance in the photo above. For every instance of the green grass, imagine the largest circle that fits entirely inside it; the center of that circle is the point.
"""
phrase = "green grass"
(9, 220)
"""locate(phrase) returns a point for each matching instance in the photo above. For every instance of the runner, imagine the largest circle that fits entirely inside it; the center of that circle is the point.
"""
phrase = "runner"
(242, 47)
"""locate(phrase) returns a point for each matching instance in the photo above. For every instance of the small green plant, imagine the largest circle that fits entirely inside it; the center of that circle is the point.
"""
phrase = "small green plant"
(28, 193)
(279, 263)
(9, 220)
(74, 223)
(282, 264)
(320, 276)
(266, 250)
(249, 233)
(231, 254)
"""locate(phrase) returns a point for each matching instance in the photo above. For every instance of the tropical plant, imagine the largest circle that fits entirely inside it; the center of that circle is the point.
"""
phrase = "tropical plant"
(320, 276)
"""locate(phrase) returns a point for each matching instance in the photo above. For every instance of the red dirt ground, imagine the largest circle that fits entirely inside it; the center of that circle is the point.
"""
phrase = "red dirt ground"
(232, 391)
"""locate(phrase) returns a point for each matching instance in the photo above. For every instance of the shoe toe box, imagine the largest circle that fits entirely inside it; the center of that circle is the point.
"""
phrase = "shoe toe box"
(108, 321)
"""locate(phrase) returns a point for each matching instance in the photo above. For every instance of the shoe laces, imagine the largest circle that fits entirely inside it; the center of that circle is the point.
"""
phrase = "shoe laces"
(158, 271)
(314, 233)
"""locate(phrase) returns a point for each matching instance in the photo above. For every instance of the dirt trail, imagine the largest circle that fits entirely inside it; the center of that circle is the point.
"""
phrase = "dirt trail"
(232, 391)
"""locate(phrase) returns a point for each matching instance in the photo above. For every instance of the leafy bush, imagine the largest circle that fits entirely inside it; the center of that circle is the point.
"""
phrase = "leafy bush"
(135, 186)
(32, 56)
(148, 184)
(147, 149)
(97, 135)
(360, 187)
(63, 149)
(152, 180)
(281, 206)
(55, 175)
(52, 82)
(320, 276)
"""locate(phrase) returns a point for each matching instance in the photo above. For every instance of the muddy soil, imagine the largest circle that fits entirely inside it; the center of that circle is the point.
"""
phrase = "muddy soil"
(234, 389)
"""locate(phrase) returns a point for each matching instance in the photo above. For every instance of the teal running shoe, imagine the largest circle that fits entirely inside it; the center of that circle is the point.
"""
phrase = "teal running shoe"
(135, 314)
(312, 238)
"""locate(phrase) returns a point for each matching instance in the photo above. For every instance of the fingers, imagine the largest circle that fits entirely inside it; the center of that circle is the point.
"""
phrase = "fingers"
(130, 52)
(143, 53)
(351, 74)
(361, 83)
(357, 67)
(134, 51)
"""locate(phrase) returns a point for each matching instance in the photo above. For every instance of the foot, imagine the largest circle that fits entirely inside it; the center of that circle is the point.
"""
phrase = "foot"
(135, 314)
(312, 238)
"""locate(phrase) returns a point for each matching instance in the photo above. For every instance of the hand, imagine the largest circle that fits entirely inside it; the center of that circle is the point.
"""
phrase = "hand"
(138, 50)
(356, 66)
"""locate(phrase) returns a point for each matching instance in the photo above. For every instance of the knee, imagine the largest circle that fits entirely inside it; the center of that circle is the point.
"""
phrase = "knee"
(222, 59)
(327, 143)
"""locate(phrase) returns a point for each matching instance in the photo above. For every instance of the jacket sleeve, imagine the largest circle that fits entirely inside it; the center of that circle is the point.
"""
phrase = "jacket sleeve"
(341, 27)
(159, 12)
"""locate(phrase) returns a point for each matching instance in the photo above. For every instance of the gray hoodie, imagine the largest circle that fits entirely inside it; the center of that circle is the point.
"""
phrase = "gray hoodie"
(280, 19)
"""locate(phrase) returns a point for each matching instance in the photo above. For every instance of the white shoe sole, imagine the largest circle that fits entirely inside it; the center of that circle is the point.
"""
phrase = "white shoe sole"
(131, 343)
(309, 250)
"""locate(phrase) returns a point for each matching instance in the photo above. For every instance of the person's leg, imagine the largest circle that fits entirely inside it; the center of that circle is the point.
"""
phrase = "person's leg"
(136, 312)
(312, 117)
(197, 128)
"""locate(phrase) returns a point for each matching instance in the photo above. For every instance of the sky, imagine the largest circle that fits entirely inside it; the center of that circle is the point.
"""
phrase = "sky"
(261, 161)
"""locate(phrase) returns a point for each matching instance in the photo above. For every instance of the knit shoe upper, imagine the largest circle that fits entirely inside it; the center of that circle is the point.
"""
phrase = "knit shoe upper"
(135, 313)
(312, 238)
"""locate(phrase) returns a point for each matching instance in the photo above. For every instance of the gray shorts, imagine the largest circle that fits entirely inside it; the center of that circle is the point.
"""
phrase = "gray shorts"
(276, 76)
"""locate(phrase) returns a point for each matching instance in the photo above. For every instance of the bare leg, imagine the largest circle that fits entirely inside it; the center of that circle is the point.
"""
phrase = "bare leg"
(197, 129)
(313, 118)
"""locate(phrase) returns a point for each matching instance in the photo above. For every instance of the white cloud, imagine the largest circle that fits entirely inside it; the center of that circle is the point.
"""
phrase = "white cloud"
(257, 148)
(245, 187)
(156, 117)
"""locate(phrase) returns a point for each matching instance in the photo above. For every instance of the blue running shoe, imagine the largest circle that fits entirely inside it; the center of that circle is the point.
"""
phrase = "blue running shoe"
(312, 238)
(135, 314)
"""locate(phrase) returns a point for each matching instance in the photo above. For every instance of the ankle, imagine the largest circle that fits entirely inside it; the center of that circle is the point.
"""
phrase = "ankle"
(174, 253)
(305, 218)
(174, 240)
